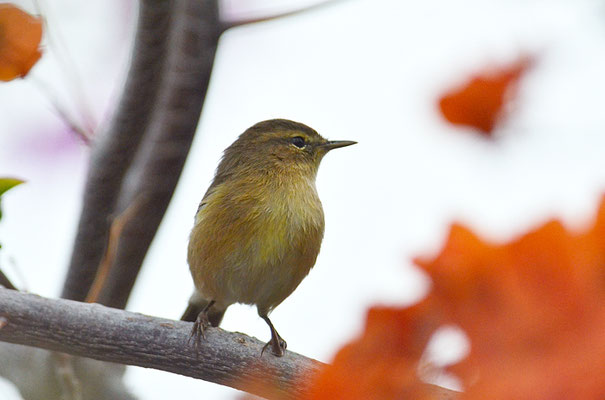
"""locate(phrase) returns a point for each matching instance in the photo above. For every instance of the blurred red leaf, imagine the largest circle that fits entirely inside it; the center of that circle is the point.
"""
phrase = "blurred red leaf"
(479, 102)
(533, 309)
(20, 35)
(383, 363)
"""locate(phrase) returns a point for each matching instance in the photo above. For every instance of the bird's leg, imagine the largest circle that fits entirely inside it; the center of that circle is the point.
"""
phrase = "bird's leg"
(199, 326)
(278, 345)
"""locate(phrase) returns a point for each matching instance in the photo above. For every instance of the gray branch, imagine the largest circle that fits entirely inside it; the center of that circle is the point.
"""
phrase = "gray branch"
(36, 374)
(153, 176)
(102, 333)
(113, 151)
(313, 7)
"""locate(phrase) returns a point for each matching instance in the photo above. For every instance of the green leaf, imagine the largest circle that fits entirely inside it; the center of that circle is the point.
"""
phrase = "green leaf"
(8, 183)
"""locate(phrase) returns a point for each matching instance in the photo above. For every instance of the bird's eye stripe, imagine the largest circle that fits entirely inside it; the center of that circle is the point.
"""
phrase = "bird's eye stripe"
(298, 141)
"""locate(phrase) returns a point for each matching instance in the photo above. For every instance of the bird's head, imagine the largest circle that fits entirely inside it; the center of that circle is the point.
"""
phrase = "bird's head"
(279, 144)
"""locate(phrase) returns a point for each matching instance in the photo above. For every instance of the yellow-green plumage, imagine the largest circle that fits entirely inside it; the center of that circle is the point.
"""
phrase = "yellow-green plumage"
(252, 247)
(259, 227)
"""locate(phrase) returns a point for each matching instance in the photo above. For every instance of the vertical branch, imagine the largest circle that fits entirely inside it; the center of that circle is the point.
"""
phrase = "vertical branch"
(195, 30)
(115, 231)
(113, 152)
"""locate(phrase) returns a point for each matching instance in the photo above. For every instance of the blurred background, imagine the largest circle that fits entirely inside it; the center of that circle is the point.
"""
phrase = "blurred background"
(364, 70)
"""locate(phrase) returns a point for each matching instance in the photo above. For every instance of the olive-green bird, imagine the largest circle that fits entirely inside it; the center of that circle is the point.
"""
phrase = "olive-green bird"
(259, 227)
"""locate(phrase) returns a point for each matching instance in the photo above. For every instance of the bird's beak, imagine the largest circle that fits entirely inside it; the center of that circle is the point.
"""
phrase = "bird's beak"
(334, 144)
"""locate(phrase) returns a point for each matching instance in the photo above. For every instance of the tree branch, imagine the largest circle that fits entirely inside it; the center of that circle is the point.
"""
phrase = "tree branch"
(102, 333)
(152, 178)
(247, 21)
(113, 152)
(36, 374)
(4, 281)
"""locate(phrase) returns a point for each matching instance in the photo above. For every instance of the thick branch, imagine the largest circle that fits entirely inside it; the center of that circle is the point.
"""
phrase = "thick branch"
(37, 375)
(113, 152)
(152, 178)
(102, 333)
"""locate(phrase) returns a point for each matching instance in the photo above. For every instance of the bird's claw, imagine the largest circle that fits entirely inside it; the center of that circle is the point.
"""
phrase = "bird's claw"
(278, 347)
(198, 331)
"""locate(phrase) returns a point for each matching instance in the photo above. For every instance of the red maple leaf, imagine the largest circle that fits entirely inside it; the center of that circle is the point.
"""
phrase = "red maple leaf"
(479, 102)
(383, 362)
(20, 35)
(533, 309)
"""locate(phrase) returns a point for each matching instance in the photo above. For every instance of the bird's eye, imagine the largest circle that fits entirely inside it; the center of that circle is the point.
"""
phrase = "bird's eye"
(298, 141)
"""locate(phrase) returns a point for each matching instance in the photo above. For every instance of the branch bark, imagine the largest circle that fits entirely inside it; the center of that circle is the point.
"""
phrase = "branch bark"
(37, 375)
(106, 334)
(113, 151)
(153, 176)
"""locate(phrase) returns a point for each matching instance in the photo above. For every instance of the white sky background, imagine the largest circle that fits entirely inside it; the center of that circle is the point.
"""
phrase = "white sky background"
(364, 70)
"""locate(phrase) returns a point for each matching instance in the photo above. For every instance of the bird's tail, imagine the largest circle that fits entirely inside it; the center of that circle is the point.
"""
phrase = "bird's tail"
(196, 304)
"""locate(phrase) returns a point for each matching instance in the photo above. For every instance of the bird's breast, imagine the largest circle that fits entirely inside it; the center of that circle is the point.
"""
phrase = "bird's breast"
(292, 221)
(255, 244)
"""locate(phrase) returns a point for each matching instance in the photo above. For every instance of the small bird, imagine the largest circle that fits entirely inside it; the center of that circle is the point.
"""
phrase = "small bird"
(259, 227)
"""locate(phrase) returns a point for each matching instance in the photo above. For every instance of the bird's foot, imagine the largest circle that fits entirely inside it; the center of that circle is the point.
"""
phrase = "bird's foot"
(198, 331)
(278, 346)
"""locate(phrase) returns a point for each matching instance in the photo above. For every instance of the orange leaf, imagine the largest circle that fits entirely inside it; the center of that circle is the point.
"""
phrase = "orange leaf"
(20, 35)
(479, 102)
(383, 363)
(533, 309)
